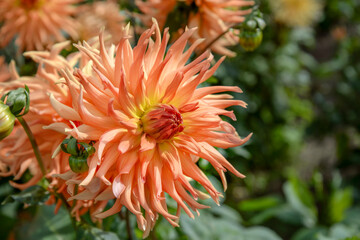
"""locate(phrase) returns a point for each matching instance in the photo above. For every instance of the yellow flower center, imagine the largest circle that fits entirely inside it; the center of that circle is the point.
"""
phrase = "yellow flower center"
(162, 122)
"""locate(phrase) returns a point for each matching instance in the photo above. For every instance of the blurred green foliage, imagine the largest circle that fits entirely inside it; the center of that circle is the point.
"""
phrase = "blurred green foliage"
(302, 163)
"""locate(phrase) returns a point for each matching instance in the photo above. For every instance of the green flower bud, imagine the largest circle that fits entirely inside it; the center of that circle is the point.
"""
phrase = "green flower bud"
(261, 23)
(78, 164)
(18, 101)
(251, 30)
(79, 154)
(250, 39)
(251, 24)
(7, 120)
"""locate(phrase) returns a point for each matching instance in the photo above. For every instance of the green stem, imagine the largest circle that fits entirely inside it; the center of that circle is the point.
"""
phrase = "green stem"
(128, 224)
(126, 216)
(214, 40)
(33, 144)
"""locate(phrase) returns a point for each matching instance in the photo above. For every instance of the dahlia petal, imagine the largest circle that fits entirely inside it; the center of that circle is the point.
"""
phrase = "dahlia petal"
(90, 119)
(85, 132)
(171, 156)
(23, 167)
(114, 209)
(127, 162)
(26, 185)
(213, 153)
(120, 117)
(169, 187)
(155, 169)
(58, 127)
(108, 137)
(105, 195)
(184, 195)
(147, 143)
(111, 156)
(203, 92)
(91, 172)
(84, 195)
(118, 187)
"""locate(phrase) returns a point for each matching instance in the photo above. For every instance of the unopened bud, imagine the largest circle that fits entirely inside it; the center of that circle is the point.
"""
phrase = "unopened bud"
(251, 34)
(250, 39)
(162, 122)
(79, 154)
(18, 101)
(7, 120)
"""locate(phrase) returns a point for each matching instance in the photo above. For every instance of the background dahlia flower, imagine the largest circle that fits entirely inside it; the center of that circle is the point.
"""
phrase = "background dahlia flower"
(4, 71)
(16, 153)
(150, 123)
(92, 17)
(36, 23)
(297, 13)
(212, 17)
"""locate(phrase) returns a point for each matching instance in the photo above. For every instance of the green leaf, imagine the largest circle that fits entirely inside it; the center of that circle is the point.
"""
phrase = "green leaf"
(93, 233)
(308, 234)
(47, 225)
(353, 238)
(259, 233)
(285, 213)
(33, 195)
(226, 212)
(259, 203)
(340, 231)
(6, 226)
(214, 225)
(340, 201)
(352, 216)
(300, 198)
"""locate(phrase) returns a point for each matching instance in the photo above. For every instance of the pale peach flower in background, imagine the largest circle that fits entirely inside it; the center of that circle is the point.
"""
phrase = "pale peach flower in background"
(4, 71)
(16, 153)
(36, 23)
(92, 17)
(297, 13)
(212, 17)
(158, 9)
(150, 123)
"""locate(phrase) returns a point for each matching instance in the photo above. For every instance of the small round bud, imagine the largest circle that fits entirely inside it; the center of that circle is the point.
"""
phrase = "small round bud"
(251, 24)
(251, 34)
(7, 120)
(79, 154)
(261, 23)
(78, 164)
(18, 101)
(250, 40)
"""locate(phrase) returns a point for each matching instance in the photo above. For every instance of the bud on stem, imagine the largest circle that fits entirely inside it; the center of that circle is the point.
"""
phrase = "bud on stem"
(79, 154)
(7, 120)
(18, 101)
(251, 34)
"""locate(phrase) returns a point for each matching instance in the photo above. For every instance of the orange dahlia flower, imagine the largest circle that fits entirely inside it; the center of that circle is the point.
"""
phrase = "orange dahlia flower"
(92, 17)
(36, 23)
(158, 9)
(212, 17)
(150, 123)
(16, 153)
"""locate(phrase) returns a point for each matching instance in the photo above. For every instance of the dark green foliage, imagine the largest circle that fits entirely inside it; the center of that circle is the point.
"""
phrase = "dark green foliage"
(33, 195)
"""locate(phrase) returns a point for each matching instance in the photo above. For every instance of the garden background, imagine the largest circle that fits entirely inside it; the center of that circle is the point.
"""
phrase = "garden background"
(302, 86)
